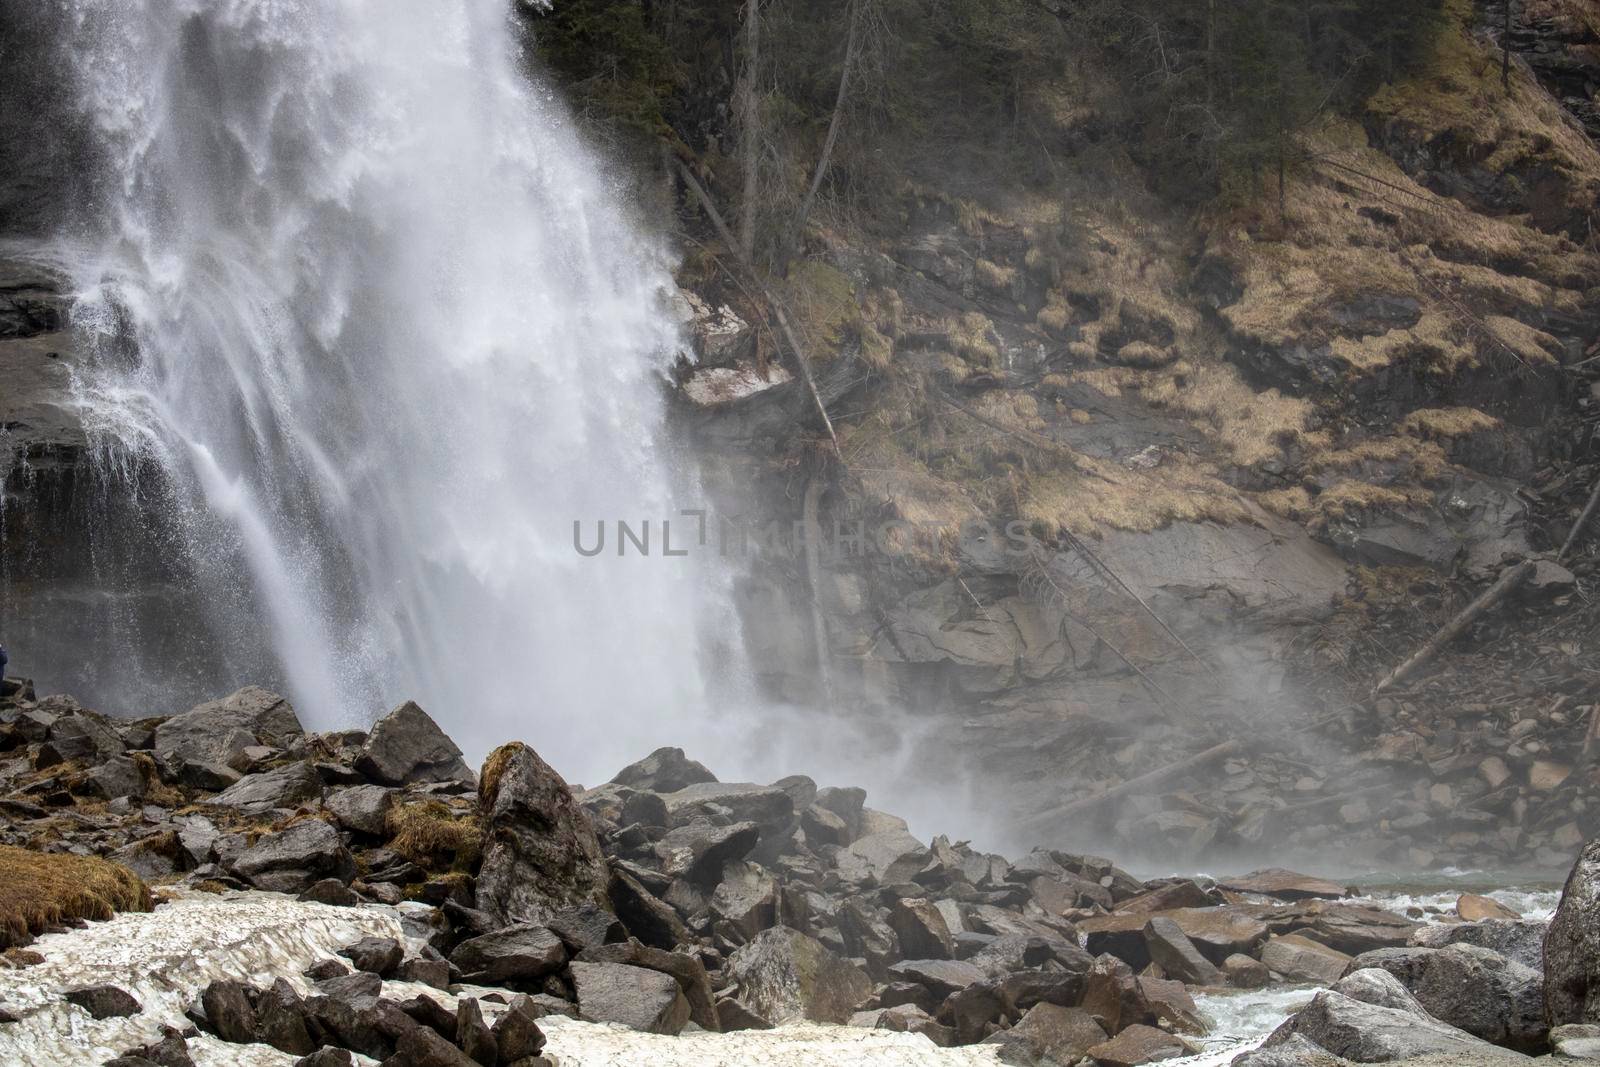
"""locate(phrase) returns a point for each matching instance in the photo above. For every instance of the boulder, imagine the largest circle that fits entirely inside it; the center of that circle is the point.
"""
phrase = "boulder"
(769, 807)
(422, 1046)
(1578, 1041)
(376, 955)
(540, 851)
(104, 1001)
(1371, 1033)
(745, 902)
(523, 952)
(228, 1010)
(406, 747)
(921, 929)
(941, 977)
(1521, 941)
(1049, 1035)
(1471, 988)
(1374, 986)
(473, 1036)
(363, 809)
(698, 851)
(1300, 959)
(688, 971)
(119, 776)
(1139, 1044)
(291, 860)
(1284, 885)
(783, 976)
(1297, 1051)
(1172, 950)
(823, 827)
(1572, 946)
(85, 737)
(280, 1020)
(645, 915)
(885, 858)
(635, 997)
(516, 1032)
(284, 787)
(1474, 908)
(666, 770)
(218, 731)
(1243, 972)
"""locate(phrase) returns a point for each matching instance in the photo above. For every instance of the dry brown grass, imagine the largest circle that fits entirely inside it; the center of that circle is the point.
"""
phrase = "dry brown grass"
(493, 768)
(39, 890)
(434, 836)
(1448, 422)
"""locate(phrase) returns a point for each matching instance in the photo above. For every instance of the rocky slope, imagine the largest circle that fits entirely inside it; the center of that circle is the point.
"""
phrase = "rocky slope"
(666, 898)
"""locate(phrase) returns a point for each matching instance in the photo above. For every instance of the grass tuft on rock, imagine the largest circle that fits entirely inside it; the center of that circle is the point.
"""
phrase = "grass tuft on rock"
(435, 837)
(40, 890)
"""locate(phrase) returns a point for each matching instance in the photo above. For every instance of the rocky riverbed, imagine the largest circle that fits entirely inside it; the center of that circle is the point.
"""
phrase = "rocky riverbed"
(367, 897)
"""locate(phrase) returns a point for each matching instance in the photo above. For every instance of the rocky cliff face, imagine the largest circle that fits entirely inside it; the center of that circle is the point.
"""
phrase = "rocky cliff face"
(1243, 441)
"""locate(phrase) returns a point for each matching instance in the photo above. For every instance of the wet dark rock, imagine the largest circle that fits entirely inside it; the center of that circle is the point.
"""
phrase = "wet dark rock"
(635, 997)
(84, 737)
(1572, 946)
(280, 1020)
(473, 1035)
(746, 901)
(376, 955)
(910, 1019)
(1284, 885)
(540, 851)
(228, 1011)
(823, 827)
(322, 970)
(921, 929)
(104, 1001)
(783, 976)
(327, 1056)
(645, 915)
(291, 860)
(666, 770)
(423, 971)
(330, 891)
(587, 926)
(941, 977)
(407, 747)
(523, 952)
(770, 808)
(516, 1033)
(422, 1047)
(1300, 959)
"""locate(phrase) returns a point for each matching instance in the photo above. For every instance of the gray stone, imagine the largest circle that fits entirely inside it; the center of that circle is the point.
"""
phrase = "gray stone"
(406, 747)
(280, 1020)
(635, 997)
(767, 806)
(746, 899)
(362, 808)
(293, 859)
(517, 1033)
(698, 851)
(229, 1013)
(540, 850)
(921, 929)
(289, 786)
(1372, 985)
(473, 1035)
(688, 971)
(1176, 954)
(1369, 1033)
(1301, 959)
(1472, 988)
(1578, 1041)
(883, 859)
(522, 952)
(376, 955)
(1572, 946)
(666, 770)
(1519, 940)
(1297, 1051)
(782, 976)
(216, 732)
(942, 977)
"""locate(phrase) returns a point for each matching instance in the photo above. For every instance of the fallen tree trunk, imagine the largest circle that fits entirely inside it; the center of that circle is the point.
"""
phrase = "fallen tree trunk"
(1134, 785)
(1583, 520)
(1491, 596)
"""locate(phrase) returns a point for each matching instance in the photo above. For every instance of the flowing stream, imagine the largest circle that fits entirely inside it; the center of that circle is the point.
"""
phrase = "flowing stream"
(357, 288)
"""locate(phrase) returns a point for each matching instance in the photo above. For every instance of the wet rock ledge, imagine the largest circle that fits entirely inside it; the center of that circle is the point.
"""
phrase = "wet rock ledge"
(668, 901)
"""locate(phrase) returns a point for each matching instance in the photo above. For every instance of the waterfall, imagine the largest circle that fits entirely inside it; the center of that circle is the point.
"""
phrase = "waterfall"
(356, 286)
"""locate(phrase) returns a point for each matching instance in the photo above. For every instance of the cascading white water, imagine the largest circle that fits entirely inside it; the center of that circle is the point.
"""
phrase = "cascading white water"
(392, 333)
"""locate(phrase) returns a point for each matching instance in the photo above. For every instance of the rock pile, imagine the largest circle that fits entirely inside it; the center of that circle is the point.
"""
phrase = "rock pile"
(666, 898)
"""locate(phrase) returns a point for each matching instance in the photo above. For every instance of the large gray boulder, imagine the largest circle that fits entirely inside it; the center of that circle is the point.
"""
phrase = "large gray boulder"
(406, 747)
(288, 786)
(635, 997)
(523, 952)
(219, 731)
(362, 808)
(783, 976)
(1518, 940)
(1572, 947)
(687, 970)
(698, 851)
(540, 851)
(769, 807)
(883, 858)
(291, 860)
(666, 770)
(1472, 988)
(1371, 1033)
